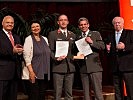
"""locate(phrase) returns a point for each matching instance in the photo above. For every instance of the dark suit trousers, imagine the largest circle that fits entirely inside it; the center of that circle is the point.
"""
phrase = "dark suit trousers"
(118, 78)
(8, 90)
(96, 82)
(128, 77)
(63, 79)
(37, 90)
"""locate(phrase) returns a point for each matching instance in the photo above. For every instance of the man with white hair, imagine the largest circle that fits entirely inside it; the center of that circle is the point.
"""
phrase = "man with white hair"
(120, 48)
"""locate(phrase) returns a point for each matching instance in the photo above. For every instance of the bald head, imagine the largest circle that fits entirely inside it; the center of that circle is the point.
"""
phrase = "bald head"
(8, 23)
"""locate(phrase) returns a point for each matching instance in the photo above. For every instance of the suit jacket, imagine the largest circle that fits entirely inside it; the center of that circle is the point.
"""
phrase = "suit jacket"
(91, 62)
(65, 65)
(8, 60)
(122, 59)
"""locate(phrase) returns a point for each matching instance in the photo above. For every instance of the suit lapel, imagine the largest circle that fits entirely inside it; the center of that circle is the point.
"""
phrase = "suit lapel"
(63, 37)
(15, 40)
(79, 36)
(123, 35)
(6, 39)
(68, 35)
(60, 36)
(113, 37)
(89, 34)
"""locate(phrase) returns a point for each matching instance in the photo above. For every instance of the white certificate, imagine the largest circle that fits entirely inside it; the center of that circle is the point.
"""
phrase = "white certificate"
(61, 48)
(83, 47)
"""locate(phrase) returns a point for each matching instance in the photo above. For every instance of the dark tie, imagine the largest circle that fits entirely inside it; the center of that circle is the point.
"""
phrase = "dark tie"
(84, 34)
(65, 34)
(11, 38)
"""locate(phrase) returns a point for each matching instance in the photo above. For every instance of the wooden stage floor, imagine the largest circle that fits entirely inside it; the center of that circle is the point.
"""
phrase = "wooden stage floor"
(108, 93)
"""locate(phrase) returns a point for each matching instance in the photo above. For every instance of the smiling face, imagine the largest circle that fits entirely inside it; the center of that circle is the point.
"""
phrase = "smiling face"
(118, 23)
(83, 25)
(63, 21)
(35, 28)
(8, 23)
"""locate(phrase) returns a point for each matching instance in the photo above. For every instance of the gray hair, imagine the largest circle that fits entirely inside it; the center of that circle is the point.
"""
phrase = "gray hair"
(83, 19)
(117, 17)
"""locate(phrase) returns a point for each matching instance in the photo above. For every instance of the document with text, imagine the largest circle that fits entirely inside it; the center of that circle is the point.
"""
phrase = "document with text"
(61, 48)
(83, 47)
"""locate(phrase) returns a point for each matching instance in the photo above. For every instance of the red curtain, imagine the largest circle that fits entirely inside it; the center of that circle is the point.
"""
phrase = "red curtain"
(124, 86)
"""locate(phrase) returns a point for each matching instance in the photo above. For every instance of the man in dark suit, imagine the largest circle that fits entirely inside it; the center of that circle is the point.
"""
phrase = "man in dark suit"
(63, 68)
(90, 66)
(9, 50)
(120, 47)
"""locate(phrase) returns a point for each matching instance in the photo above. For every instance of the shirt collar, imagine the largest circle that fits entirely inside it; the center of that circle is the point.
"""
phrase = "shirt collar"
(63, 30)
(86, 32)
(6, 32)
(119, 31)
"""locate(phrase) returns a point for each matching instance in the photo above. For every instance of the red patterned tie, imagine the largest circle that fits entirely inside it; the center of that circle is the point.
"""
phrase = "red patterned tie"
(11, 38)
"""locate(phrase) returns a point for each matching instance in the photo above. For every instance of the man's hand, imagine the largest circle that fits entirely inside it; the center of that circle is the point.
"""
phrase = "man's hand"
(18, 48)
(120, 46)
(108, 46)
(61, 58)
(88, 40)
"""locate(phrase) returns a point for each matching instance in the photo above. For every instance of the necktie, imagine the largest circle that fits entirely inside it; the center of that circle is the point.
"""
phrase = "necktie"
(84, 34)
(65, 34)
(11, 38)
(117, 37)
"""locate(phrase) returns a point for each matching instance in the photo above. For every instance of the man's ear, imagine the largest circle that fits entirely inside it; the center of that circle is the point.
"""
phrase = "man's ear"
(68, 22)
(88, 25)
(58, 22)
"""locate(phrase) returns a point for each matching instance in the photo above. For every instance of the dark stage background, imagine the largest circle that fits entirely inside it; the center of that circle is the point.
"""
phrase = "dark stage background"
(100, 15)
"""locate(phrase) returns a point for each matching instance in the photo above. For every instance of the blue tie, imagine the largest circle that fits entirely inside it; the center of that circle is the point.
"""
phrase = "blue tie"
(117, 37)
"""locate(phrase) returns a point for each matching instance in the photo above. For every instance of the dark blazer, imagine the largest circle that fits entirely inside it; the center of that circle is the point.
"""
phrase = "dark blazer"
(8, 60)
(123, 58)
(91, 63)
(61, 66)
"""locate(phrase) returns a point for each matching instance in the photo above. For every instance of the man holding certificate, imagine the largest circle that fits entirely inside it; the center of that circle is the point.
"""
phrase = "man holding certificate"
(61, 43)
(90, 67)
